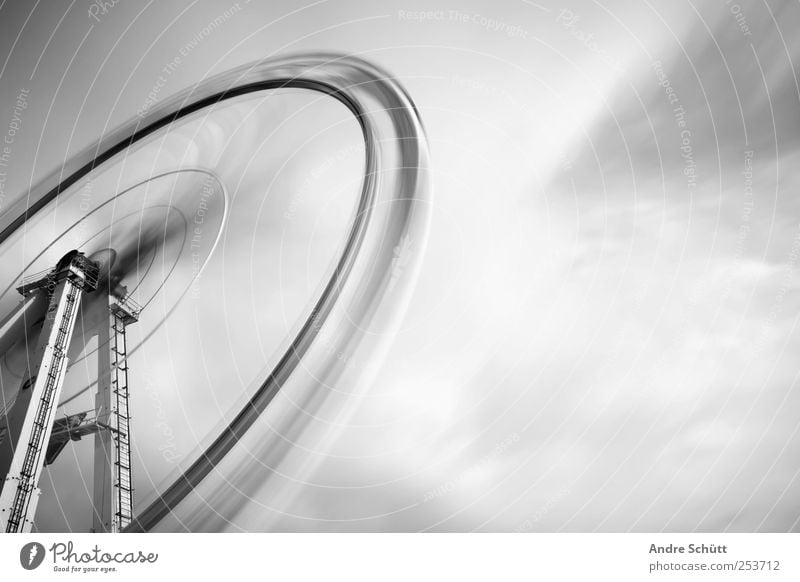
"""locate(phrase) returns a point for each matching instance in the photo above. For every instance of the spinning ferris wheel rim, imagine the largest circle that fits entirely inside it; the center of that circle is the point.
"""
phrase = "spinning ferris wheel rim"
(347, 79)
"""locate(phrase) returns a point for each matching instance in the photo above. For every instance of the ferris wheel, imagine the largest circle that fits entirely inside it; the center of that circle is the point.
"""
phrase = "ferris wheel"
(79, 270)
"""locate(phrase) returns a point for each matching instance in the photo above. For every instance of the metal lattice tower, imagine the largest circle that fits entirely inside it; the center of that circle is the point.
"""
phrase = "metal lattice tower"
(29, 436)
(113, 484)
(29, 424)
(120, 415)
(109, 422)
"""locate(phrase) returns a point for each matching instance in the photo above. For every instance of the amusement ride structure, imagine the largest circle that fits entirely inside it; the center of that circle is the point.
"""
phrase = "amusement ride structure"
(87, 289)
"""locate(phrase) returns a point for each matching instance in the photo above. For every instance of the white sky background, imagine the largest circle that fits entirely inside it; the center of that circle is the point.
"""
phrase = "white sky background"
(592, 345)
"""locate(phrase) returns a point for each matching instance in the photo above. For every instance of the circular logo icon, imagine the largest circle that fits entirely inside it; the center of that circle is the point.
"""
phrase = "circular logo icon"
(31, 555)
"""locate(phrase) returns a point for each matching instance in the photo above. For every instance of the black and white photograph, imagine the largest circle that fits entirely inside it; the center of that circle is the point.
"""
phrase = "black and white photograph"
(496, 276)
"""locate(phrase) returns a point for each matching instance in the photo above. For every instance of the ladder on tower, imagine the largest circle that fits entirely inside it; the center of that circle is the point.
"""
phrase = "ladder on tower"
(121, 419)
(39, 435)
